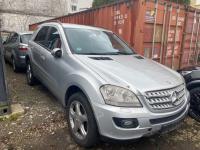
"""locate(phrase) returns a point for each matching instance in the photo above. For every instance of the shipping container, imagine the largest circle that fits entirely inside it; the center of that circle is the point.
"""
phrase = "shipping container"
(190, 44)
(163, 31)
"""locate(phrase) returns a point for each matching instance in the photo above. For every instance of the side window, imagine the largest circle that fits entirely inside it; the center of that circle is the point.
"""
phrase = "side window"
(53, 39)
(14, 38)
(41, 36)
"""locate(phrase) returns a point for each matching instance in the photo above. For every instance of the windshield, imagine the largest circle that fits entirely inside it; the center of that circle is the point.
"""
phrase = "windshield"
(95, 42)
(25, 38)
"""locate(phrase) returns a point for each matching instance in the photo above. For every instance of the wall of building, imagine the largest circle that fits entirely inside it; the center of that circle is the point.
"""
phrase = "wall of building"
(16, 15)
(18, 22)
(79, 5)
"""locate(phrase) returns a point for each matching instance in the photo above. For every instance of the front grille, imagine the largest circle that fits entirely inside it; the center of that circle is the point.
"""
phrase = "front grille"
(166, 99)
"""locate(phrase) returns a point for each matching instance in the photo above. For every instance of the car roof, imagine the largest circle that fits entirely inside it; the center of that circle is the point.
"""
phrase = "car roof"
(69, 25)
(23, 33)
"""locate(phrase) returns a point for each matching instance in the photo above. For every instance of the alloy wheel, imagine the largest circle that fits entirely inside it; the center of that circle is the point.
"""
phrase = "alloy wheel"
(29, 72)
(78, 120)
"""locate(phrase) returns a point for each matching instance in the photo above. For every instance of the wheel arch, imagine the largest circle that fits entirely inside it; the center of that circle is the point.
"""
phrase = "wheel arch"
(74, 89)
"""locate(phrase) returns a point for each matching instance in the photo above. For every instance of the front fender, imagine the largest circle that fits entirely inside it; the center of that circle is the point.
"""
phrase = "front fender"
(88, 84)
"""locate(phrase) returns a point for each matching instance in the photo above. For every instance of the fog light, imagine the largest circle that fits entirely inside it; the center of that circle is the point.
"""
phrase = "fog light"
(126, 122)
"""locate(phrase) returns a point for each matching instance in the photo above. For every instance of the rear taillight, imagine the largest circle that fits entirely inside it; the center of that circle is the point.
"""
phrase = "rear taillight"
(23, 47)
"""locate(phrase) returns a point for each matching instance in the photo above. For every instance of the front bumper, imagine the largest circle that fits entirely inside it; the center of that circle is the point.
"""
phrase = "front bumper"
(149, 123)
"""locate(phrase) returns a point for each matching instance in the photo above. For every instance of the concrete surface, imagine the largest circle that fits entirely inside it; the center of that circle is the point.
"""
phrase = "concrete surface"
(16, 111)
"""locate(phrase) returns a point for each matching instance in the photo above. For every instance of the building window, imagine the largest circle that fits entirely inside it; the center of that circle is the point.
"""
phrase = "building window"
(74, 8)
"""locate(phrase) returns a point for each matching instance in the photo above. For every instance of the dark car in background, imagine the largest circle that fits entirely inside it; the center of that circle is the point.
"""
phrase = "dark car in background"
(192, 79)
(15, 48)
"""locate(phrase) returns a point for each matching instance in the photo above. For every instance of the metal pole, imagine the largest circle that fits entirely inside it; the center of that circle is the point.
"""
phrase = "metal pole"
(163, 33)
(173, 52)
(170, 16)
(191, 40)
(154, 29)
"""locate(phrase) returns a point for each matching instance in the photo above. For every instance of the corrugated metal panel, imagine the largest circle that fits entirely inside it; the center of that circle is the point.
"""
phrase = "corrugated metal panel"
(191, 43)
(154, 28)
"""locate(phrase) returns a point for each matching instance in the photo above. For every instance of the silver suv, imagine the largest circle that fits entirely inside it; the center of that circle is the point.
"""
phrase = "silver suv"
(107, 89)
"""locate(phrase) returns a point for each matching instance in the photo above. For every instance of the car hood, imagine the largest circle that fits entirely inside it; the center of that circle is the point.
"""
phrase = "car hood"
(132, 71)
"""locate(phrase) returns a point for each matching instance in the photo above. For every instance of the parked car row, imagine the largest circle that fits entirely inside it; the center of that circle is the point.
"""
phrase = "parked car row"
(108, 90)
(16, 47)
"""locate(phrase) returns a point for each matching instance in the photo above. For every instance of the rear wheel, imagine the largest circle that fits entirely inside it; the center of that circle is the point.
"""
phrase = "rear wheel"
(14, 66)
(81, 121)
(29, 74)
(194, 111)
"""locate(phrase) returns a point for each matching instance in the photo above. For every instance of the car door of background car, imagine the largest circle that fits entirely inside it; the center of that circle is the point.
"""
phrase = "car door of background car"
(38, 47)
(10, 44)
(6, 46)
(14, 46)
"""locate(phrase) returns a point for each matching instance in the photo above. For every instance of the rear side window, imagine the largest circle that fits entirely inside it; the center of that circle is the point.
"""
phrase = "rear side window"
(14, 38)
(25, 38)
(41, 36)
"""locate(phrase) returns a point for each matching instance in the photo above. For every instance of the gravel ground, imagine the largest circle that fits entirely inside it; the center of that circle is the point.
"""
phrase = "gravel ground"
(44, 127)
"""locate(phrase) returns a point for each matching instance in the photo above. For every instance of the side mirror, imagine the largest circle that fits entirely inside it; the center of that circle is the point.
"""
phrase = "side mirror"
(56, 52)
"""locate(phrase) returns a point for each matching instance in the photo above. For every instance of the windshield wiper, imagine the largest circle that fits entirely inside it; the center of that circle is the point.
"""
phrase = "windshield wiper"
(124, 53)
(110, 53)
(107, 53)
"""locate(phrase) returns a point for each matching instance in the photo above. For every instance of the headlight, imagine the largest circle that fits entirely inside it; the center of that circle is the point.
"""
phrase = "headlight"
(118, 96)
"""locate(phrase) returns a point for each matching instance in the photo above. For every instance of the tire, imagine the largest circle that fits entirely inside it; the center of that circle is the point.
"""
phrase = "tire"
(14, 66)
(90, 127)
(31, 80)
(194, 111)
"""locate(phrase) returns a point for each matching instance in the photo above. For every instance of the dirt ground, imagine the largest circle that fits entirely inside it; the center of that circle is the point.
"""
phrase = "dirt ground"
(44, 127)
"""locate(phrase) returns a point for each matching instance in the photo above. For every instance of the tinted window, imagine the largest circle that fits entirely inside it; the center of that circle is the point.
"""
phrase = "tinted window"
(95, 42)
(14, 38)
(41, 36)
(25, 38)
(53, 39)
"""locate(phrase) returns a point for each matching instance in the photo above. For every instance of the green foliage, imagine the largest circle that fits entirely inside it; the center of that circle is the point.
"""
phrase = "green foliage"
(97, 3)
(181, 1)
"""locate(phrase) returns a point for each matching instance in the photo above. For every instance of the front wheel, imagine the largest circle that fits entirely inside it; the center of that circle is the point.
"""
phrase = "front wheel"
(81, 120)
(29, 74)
(194, 111)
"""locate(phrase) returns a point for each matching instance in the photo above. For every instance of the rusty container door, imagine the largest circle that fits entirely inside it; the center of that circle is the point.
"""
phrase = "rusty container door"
(163, 28)
(191, 40)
